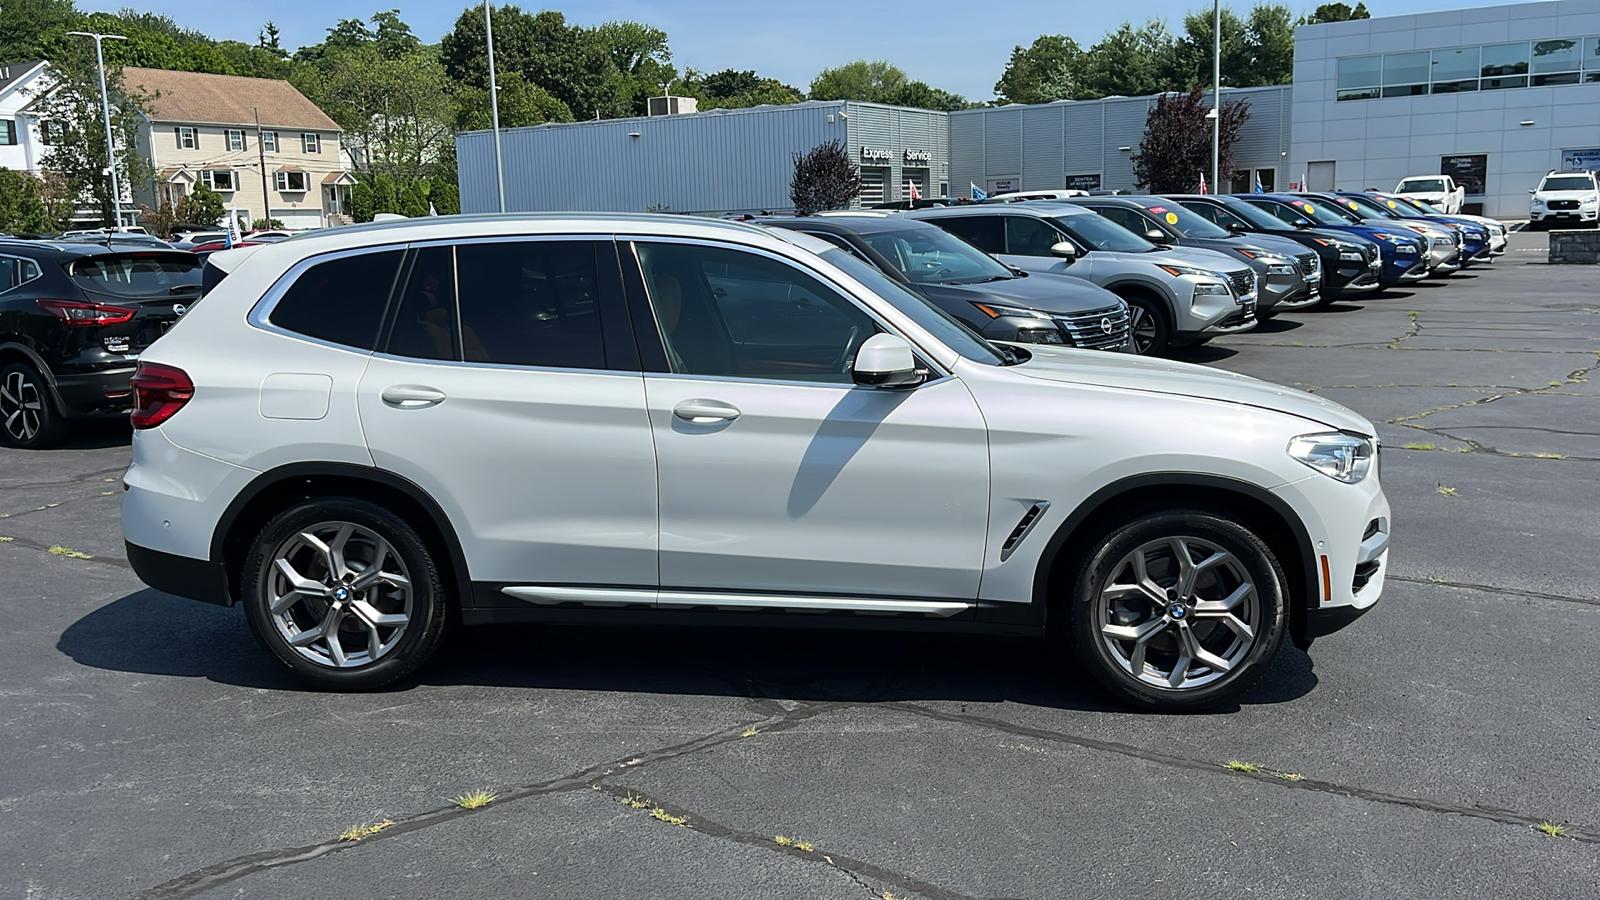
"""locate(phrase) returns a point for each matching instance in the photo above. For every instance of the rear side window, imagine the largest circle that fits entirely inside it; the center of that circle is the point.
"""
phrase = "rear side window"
(340, 301)
(137, 276)
(984, 231)
(425, 317)
(530, 303)
(16, 271)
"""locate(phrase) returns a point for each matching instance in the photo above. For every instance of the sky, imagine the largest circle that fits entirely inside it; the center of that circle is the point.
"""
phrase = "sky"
(957, 45)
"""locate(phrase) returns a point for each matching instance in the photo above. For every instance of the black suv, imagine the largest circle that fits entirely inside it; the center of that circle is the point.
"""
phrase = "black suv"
(74, 317)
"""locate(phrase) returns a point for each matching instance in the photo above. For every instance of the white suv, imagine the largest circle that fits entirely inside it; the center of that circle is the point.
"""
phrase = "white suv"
(1565, 197)
(370, 434)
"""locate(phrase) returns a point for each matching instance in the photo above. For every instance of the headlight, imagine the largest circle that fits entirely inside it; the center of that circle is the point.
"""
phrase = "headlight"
(1538, 203)
(1345, 457)
(1590, 202)
(1211, 289)
(1281, 269)
(1177, 271)
(994, 312)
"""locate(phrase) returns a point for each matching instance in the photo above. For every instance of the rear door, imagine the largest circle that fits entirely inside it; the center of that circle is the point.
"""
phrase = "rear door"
(507, 386)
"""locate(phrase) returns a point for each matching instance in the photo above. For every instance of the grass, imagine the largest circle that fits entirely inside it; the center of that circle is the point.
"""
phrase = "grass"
(68, 552)
(1291, 776)
(1543, 455)
(752, 731)
(632, 802)
(1553, 829)
(669, 818)
(357, 832)
(1418, 447)
(783, 840)
(1234, 765)
(1446, 490)
(6, 540)
(474, 800)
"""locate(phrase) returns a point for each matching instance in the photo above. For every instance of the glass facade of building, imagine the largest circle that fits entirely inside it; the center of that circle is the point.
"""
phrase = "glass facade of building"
(1486, 67)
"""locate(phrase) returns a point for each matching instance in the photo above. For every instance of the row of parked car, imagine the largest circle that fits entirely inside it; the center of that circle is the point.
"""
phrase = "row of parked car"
(1154, 273)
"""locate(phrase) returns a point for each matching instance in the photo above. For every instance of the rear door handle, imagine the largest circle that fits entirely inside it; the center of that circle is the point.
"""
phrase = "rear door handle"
(410, 396)
(705, 411)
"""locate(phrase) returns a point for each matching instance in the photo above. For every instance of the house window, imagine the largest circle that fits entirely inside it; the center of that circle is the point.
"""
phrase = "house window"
(269, 141)
(219, 179)
(235, 139)
(290, 182)
(311, 143)
(8, 133)
(187, 139)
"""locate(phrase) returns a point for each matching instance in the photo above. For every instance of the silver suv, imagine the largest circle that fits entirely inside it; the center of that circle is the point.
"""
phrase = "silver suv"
(370, 435)
(1178, 296)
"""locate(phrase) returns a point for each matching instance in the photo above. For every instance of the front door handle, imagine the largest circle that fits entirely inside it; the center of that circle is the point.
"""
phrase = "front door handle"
(704, 412)
(410, 396)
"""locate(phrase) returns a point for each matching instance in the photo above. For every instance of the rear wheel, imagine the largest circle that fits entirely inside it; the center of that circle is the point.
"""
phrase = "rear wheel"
(1151, 332)
(28, 416)
(1178, 610)
(344, 593)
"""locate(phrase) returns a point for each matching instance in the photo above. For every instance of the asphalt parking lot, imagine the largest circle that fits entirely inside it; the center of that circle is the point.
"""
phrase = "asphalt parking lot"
(152, 750)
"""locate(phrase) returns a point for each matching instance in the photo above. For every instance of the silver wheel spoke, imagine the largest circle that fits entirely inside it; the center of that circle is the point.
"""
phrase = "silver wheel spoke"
(1226, 604)
(1139, 633)
(369, 614)
(336, 547)
(362, 588)
(1196, 653)
(1141, 573)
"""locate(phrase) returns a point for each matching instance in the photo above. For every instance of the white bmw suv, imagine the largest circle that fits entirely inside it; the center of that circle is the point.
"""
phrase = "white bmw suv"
(372, 434)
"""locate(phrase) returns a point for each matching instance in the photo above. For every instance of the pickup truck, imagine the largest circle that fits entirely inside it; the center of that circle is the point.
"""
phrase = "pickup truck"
(1437, 190)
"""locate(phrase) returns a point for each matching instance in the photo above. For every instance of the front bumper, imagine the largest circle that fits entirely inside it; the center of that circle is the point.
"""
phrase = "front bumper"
(1576, 216)
(1349, 528)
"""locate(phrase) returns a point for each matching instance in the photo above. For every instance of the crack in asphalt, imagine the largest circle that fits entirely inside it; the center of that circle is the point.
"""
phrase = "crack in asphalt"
(79, 479)
(1577, 376)
(1493, 589)
(31, 544)
(850, 866)
(193, 883)
(1490, 814)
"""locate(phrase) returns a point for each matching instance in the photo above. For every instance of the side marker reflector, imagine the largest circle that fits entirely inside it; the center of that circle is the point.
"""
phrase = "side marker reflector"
(1327, 582)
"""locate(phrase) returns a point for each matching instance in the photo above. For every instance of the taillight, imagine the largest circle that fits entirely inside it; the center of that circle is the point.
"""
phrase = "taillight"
(77, 312)
(158, 393)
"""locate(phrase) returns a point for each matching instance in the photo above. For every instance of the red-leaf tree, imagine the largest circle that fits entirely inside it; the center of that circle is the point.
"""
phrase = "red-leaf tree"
(1176, 148)
(824, 178)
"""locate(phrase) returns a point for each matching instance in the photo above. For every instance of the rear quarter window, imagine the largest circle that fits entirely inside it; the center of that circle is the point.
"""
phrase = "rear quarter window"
(340, 301)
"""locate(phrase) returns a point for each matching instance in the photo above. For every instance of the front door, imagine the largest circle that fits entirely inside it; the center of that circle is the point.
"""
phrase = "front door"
(778, 475)
(501, 390)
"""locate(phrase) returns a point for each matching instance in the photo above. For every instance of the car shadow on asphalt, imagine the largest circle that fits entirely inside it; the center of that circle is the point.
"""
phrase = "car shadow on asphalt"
(152, 633)
(1276, 325)
(98, 434)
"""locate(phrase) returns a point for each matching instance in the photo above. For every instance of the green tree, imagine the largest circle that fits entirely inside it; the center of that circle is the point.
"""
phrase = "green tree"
(1129, 61)
(1336, 12)
(22, 206)
(824, 178)
(733, 89)
(1051, 68)
(1176, 148)
(868, 82)
(35, 29)
(77, 150)
(642, 58)
(571, 63)
(1269, 33)
(201, 207)
(396, 111)
(521, 104)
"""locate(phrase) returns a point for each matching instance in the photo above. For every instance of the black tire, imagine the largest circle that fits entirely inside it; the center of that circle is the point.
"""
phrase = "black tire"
(402, 648)
(1149, 315)
(29, 418)
(1093, 609)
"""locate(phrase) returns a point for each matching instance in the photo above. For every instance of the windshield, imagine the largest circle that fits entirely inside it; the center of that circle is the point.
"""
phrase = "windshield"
(1322, 213)
(935, 321)
(1567, 183)
(932, 255)
(1253, 216)
(1187, 223)
(1426, 209)
(1367, 207)
(1102, 234)
(138, 276)
(1422, 184)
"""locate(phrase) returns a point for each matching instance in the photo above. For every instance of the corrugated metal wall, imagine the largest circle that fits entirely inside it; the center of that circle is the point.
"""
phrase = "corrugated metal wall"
(1045, 143)
(712, 162)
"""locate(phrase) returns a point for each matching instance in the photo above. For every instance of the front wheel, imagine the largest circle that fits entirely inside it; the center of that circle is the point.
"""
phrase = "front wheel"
(344, 593)
(1178, 611)
(1151, 333)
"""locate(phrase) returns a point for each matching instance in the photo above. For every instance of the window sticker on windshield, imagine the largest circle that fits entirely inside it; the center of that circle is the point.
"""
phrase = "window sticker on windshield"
(1356, 206)
(1158, 209)
(1172, 218)
(1309, 208)
(1391, 204)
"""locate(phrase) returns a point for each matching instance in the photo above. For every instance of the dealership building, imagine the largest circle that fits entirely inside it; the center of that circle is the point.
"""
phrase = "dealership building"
(1495, 96)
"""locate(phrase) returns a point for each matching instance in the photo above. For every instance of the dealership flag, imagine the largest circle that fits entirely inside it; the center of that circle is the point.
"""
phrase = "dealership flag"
(1203, 183)
(1258, 185)
(915, 194)
(978, 193)
(233, 227)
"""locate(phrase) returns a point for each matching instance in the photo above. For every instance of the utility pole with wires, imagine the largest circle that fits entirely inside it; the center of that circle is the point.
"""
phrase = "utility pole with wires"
(261, 154)
(1216, 95)
(105, 110)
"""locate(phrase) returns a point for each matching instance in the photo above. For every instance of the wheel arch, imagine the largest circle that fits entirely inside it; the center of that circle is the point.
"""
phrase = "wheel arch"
(1145, 288)
(1266, 514)
(275, 490)
(13, 351)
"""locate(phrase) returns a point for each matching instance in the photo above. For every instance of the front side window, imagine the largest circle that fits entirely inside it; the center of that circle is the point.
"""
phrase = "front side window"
(1027, 236)
(1128, 219)
(947, 328)
(340, 301)
(235, 139)
(1103, 234)
(987, 233)
(310, 143)
(269, 141)
(933, 256)
(530, 303)
(732, 313)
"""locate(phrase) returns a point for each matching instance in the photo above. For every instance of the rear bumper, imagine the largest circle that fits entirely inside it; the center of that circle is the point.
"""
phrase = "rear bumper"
(82, 393)
(182, 576)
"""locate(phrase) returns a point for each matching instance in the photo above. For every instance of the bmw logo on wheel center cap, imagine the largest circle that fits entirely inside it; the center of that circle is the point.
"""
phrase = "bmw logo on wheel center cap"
(341, 594)
(1178, 611)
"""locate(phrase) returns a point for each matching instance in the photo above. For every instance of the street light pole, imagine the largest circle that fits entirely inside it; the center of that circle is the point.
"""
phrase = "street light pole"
(105, 110)
(1216, 95)
(494, 109)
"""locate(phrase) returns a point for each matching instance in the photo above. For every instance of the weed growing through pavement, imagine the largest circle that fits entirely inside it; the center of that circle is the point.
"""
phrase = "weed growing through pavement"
(752, 731)
(68, 552)
(783, 840)
(474, 800)
(1290, 776)
(357, 832)
(1446, 490)
(669, 818)
(1237, 766)
(1542, 455)
(6, 540)
(1553, 829)
(1418, 447)
(632, 802)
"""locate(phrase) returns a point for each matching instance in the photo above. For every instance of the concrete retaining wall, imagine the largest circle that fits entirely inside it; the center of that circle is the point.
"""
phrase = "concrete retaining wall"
(1575, 247)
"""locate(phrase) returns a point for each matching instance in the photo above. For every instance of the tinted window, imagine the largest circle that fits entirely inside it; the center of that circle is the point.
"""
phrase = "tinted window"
(1127, 218)
(140, 276)
(340, 301)
(15, 271)
(940, 324)
(928, 255)
(724, 312)
(425, 317)
(1187, 223)
(1026, 236)
(984, 231)
(1100, 234)
(530, 303)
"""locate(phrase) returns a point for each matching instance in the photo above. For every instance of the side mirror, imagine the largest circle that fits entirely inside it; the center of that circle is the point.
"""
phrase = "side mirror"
(1155, 236)
(1304, 223)
(884, 361)
(1533, 192)
(1064, 250)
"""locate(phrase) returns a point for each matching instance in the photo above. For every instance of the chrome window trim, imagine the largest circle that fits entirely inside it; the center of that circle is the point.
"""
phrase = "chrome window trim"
(38, 270)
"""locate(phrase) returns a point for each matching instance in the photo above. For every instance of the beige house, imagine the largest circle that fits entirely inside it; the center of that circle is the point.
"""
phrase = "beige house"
(269, 151)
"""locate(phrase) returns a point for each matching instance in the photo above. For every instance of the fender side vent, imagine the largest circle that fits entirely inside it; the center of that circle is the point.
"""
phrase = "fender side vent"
(1029, 519)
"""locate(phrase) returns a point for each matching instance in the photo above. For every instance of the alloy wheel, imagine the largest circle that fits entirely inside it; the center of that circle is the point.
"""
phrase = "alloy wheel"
(339, 594)
(1143, 326)
(21, 406)
(1178, 613)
